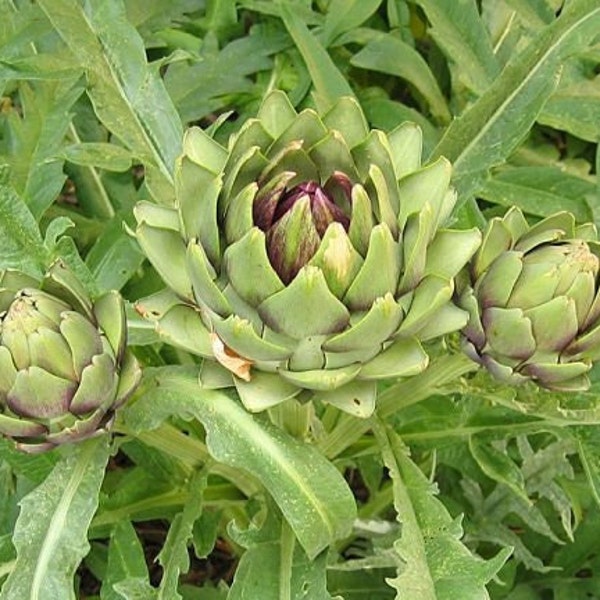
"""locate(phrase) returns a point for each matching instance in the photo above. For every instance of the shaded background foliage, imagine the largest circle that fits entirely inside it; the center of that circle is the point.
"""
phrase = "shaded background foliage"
(94, 99)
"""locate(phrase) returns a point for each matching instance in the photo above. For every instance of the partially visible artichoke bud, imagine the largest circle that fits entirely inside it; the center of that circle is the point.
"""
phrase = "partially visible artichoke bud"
(534, 302)
(308, 254)
(64, 365)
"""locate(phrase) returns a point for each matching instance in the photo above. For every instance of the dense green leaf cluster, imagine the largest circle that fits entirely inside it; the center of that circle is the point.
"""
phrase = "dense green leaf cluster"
(451, 485)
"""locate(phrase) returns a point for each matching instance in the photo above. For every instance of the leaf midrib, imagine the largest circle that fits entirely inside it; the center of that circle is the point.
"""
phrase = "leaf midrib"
(501, 108)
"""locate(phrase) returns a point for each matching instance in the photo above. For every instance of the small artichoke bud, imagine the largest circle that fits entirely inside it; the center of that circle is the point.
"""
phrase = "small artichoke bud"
(64, 367)
(534, 303)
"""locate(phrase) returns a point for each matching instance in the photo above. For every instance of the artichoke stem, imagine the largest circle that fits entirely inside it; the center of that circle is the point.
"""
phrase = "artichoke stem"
(330, 417)
(294, 416)
(407, 392)
(191, 453)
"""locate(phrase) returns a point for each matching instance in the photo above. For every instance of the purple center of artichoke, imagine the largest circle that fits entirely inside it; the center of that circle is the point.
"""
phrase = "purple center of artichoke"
(323, 210)
(296, 220)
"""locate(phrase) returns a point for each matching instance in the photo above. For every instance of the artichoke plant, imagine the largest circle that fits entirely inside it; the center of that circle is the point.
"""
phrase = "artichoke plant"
(64, 366)
(533, 299)
(308, 254)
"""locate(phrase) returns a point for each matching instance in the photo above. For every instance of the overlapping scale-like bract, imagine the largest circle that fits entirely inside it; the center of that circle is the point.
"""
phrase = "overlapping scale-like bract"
(309, 254)
(64, 365)
(533, 298)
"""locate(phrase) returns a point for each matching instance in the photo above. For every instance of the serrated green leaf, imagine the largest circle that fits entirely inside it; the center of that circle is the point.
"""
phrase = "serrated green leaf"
(492, 517)
(19, 27)
(459, 31)
(575, 105)
(329, 83)
(220, 14)
(140, 495)
(161, 467)
(151, 17)
(308, 489)
(571, 557)
(497, 465)
(8, 500)
(35, 468)
(274, 566)
(154, 505)
(535, 13)
(125, 560)
(436, 565)
(540, 191)
(174, 557)
(513, 504)
(35, 169)
(55, 230)
(51, 531)
(201, 87)
(67, 250)
(114, 257)
(7, 553)
(588, 448)
(345, 15)
(205, 532)
(95, 195)
(135, 588)
(128, 95)
(495, 124)
(97, 154)
(545, 470)
(268, 7)
(361, 584)
(21, 244)
(39, 67)
(389, 54)
(495, 532)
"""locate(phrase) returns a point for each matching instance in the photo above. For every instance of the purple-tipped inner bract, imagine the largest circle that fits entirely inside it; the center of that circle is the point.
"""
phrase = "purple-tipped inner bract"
(296, 219)
(323, 210)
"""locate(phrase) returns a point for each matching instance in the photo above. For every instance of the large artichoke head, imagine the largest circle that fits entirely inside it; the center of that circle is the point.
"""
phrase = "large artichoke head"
(64, 367)
(307, 255)
(533, 300)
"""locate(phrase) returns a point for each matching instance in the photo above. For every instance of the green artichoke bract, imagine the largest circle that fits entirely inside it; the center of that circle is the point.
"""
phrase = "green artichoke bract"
(534, 301)
(307, 255)
(64, 366)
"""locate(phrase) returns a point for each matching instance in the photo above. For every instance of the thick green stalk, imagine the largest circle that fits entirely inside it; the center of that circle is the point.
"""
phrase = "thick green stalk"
(191, 452)
(377, 503)
(293, 416)
(405, 393)
(221, 496)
